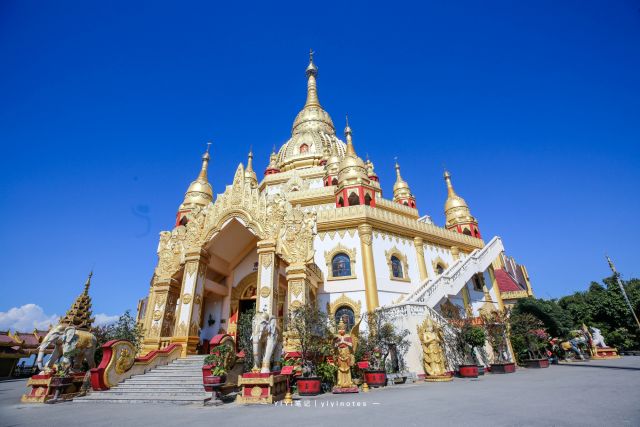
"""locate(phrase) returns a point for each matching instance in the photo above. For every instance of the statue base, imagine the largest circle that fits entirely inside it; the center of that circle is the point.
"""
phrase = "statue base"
(604, 353)
(438, 378)
(46, 387)
(257, 388)
(342, 390)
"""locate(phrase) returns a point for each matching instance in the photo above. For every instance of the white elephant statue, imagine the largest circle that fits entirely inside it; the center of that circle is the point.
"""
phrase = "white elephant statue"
(596, 338)
(66, 339)
(264, 337)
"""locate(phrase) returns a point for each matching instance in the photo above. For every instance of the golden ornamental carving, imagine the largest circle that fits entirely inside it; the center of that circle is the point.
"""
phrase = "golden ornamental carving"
(157, 315)
(125, 361)
(186, 298)
(365, 232)
(342, 301)
(437, 261)
(265, 260)
(197, 300)
(160, 300)
(194, 329)
(256, 391)
(154, 332)
(295, 242)
(339, 248)
(296, 288)
(191, 268)
(265, 291)
(295, 305)
(182, 329)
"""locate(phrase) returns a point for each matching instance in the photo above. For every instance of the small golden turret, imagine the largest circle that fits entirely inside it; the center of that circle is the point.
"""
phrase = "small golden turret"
(457, 212)
(352, 168)
(401, 191)
(199, 192)
(250, 176)
(79, 315)
(273, 163)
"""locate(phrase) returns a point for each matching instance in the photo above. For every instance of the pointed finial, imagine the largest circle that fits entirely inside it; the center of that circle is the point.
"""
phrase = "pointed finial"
(88, 283)
(250, 161)
(312, 91)
(397, 169)
(202, 176)
(312, 70)
(347, 129)
(447, 179)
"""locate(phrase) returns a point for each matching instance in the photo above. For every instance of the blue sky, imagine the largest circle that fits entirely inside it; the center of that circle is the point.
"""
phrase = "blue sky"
(106, 108)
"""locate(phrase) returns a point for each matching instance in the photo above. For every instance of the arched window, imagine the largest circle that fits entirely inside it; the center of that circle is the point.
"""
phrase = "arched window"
(341, 265)
(184, 220)
(466, 231)
(396, 267)
(367, 199)
(439, 269)
(340, 202)
(354, 199)
(405, 203)
(304, 148)
(477, 233)
(335, 181)
(345, 314)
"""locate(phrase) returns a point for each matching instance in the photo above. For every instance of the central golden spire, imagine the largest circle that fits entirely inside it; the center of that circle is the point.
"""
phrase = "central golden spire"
(347, 134)
(202, 176)
(312, 90)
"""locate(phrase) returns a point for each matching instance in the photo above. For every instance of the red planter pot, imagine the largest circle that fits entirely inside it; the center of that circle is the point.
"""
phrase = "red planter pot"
(310, 386)
(503, 368)
(538, 363)
(375, 378)
(468, 371)
(213, 380)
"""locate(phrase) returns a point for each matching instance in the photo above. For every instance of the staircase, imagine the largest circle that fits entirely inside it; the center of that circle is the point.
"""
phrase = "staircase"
(451, 281)
(179, 382)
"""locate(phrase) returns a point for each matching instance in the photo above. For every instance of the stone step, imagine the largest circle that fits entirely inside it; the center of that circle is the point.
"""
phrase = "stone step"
(175, 400)
(171, 374)
(196, 387)
(142, 380)
(155, 393)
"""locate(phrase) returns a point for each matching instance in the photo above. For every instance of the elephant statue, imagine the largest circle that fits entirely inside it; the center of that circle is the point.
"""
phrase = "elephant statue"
(597, 339)
(67, 339)
(264, 336)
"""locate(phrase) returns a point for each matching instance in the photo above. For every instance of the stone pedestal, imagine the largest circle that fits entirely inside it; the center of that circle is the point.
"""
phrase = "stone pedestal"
(43, 387)
(341, 390)
(603, 353)
(261, 388)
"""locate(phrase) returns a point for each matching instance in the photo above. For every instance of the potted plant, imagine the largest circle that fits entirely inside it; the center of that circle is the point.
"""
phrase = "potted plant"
(310, 327)
(470, 337)
(382, 339)
(529, 340)
(495, 325)
(537, 342)
(214, 368)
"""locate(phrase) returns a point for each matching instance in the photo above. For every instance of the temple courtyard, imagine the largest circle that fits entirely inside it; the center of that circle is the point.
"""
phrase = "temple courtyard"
(596, 393)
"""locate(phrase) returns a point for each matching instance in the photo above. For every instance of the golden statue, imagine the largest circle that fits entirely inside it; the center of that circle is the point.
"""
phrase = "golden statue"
(345, 345)
(433, 359)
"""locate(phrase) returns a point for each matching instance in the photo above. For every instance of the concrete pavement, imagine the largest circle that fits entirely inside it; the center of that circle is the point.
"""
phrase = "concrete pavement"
(596, 393)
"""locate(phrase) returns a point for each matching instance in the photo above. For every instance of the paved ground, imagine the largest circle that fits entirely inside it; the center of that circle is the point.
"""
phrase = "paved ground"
(599, 393)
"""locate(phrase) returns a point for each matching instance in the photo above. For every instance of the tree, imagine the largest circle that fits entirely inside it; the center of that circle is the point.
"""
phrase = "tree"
(245, 342)
(382, 340)
(311, 330)
(556, 320)
(125, 328)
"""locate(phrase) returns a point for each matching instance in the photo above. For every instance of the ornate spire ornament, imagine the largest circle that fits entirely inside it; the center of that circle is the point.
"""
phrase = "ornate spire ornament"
(401, 191)
(199, 192)
(79, 315)
(250, 176)
(312, 90)
(273, 163)
(312, 131)
(457, 212)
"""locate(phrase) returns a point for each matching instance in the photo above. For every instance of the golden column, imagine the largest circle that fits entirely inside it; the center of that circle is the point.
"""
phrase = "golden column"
(188, 320)
(267, 286)
(365, 232)
(422, 266)
(298, 286)
(160, 314)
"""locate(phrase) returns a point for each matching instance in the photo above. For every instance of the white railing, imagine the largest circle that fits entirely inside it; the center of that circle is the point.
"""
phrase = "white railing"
(451, 281)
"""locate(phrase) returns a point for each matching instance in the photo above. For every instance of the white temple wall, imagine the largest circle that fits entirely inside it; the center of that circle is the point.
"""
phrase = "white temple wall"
(213, 307)
(328, 242)
(432, 253)
(247, 266)
(388, 287)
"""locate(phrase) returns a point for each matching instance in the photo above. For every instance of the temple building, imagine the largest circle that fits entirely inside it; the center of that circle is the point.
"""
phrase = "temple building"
(316, 229)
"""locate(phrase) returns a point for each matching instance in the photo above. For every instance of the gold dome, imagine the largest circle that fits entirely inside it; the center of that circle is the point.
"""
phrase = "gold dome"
(312, 132)
(199, 192)
(456, 209)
